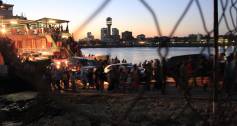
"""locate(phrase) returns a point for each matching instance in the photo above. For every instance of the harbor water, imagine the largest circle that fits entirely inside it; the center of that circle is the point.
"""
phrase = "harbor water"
(137, 55)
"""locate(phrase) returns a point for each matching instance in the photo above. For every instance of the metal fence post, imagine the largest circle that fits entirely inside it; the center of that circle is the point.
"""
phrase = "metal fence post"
(215, 66)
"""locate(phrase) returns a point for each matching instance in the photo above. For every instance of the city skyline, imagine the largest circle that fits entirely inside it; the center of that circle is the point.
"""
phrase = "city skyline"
(127, 15)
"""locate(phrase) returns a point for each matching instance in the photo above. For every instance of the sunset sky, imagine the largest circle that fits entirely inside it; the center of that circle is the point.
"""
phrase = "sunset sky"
(127, 15)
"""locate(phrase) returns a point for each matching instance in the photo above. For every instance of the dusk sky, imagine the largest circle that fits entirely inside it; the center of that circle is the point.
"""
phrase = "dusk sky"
(127, 15)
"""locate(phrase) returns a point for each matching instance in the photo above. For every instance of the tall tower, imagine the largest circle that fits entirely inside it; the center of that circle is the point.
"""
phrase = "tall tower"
(109, 24)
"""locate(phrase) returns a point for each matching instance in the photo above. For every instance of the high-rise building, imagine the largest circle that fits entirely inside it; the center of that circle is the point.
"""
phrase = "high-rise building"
(90, 37)
(115, 35)
(109, 24)
(115, 31)
(110, 36)
(103, 34)
(127, 36)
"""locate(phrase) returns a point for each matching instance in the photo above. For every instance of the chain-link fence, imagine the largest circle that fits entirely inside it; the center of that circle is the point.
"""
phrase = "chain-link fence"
(213, 106)
(220, 96)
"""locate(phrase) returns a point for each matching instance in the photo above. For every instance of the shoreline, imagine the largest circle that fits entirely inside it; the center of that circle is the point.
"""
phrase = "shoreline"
(170, 46)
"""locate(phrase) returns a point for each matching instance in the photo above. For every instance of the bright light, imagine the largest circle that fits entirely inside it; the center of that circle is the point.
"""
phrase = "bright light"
(31, 58)
(46, 53)
(14, 22)
(142, 42)
(106, 83)
(3, 30)
(58, 63)
(106, 70)
(66, 63)
(65, 36)
(58, 66)
(52, 21)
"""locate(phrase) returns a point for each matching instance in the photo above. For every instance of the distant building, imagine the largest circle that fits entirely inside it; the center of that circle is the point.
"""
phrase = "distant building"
(163, 39)
(115, 35)
(108, 36)
(141, 37)
(6, 10)
(195, 37)
(223, 39)
(103, 34)
(127, 36)
(109, 24)
(199, 37)
(90, 37)
(115, 31)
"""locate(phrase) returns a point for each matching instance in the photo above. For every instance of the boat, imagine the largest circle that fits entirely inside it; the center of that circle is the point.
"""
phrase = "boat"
(44, 35)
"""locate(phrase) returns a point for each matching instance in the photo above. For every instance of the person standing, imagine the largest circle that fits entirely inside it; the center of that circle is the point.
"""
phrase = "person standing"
(57, 80)
(123, 78)
(111, 77)
(100, 78)
(230, 74)
(157, 75)
(65, 78)
(90, 77)
(73, 81)
(135, 78)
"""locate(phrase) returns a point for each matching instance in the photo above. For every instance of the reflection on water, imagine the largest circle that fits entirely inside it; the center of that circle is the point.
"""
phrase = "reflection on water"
(136, 55)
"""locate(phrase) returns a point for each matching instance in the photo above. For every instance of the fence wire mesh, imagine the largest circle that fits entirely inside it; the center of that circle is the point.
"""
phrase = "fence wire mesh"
(228, 17)
(225, 70)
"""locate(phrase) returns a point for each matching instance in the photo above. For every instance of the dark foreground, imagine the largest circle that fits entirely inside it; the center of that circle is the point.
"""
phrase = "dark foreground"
(90, 108)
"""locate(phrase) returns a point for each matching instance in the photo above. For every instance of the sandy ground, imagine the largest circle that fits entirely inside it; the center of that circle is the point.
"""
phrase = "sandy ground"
(90, 108)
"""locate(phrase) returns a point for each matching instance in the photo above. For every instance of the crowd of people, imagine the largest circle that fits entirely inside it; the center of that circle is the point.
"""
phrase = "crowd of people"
(123, 77)
(132, 77)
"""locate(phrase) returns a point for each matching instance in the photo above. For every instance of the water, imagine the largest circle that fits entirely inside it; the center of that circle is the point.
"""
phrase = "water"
(137, 55)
